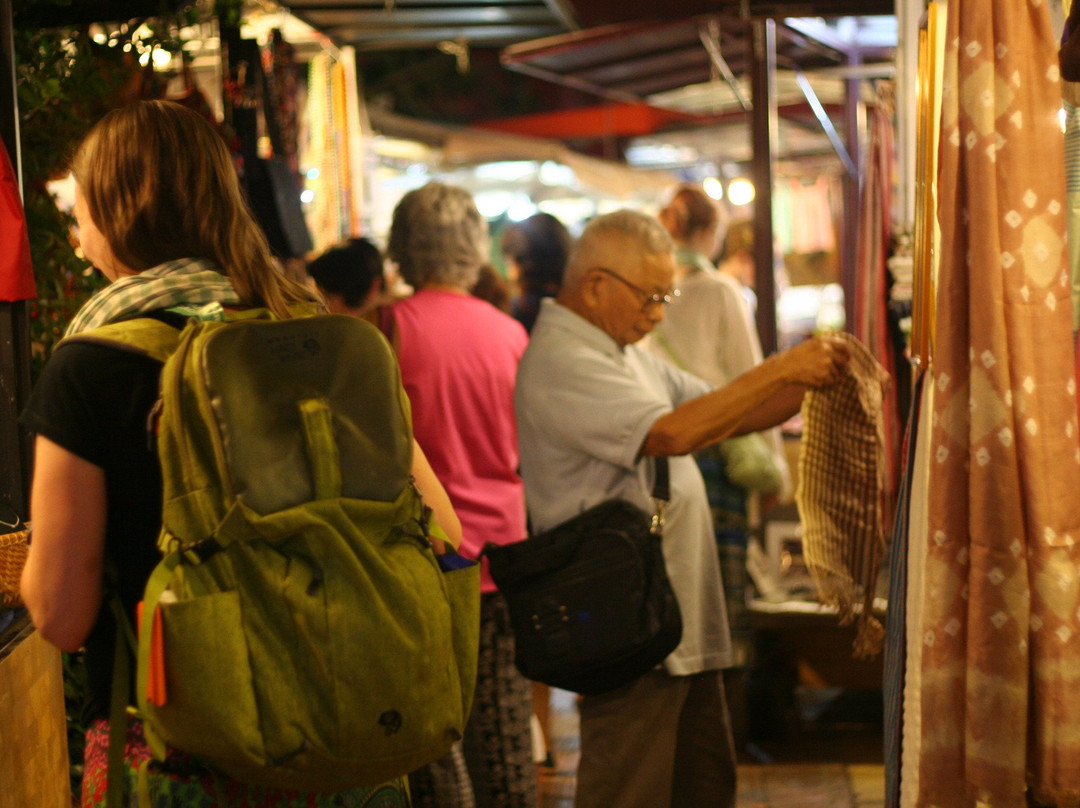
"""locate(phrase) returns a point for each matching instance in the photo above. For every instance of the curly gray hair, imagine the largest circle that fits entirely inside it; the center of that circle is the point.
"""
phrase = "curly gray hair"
(438, 236)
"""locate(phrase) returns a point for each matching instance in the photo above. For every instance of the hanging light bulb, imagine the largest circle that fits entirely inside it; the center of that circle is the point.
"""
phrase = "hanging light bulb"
(713, 187)
(740, 192)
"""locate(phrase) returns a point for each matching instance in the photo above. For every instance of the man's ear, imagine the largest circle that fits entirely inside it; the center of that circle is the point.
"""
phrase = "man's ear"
(590, 286)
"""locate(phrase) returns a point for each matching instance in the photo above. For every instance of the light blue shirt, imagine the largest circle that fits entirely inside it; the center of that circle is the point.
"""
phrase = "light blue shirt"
(584, 407)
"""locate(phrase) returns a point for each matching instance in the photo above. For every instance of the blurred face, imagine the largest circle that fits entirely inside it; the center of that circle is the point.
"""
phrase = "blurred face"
(94, 246)
(631, 298)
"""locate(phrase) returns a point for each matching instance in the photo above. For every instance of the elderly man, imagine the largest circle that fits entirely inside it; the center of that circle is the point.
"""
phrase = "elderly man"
(592, 410)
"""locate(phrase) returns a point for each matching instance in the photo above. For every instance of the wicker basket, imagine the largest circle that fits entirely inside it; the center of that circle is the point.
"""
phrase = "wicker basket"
(13, 549)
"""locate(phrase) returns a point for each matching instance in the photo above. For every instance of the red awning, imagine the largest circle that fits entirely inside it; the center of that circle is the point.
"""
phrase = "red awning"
(604, 120)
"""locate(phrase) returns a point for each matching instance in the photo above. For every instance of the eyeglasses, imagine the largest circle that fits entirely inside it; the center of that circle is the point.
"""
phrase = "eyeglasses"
(649, 299)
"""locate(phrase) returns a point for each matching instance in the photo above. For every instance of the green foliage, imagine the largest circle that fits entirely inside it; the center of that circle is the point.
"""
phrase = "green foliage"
(65, 82)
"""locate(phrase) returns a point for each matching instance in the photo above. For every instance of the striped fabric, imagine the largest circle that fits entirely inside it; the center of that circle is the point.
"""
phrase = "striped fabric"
(841, 472)
(1072, 195)
(896, 626)
(184, 282)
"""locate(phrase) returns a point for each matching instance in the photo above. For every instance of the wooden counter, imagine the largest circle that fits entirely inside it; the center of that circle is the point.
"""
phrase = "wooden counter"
(34, 769)
(801, 645)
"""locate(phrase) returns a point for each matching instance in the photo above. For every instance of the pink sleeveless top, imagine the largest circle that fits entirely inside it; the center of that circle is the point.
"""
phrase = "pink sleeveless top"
(459, 357)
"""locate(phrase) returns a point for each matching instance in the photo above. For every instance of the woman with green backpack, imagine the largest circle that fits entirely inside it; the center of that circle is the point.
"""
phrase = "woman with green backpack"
(162, 216)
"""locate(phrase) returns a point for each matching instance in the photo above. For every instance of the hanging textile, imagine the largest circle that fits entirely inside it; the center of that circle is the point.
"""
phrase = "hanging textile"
(1000, 658)
(839, 492)
(283, 84)
(896, 625)
(912, 604)
(328, 213)
(16, 273)
(871, 324)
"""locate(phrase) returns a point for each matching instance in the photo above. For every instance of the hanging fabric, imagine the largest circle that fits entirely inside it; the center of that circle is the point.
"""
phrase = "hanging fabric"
(871, 324)
(16, 272)
(839, 492)
(1000, 661)
(896, 625)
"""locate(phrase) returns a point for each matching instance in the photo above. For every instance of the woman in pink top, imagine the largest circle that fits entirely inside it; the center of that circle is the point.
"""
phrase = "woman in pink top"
(459, 357)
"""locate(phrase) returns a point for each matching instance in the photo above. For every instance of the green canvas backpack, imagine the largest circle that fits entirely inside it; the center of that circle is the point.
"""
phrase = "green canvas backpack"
(306, 634)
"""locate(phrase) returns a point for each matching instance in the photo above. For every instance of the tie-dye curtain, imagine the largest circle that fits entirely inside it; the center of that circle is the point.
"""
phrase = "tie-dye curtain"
(1000, 674)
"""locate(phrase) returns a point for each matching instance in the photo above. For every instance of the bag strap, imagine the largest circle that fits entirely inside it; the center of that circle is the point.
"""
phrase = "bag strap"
(661, 495)
(661, 489)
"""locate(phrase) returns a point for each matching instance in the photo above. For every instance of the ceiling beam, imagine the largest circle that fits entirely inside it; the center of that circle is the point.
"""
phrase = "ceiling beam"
(381, 5)
(816, 35)
(631, 69)
(494, 35)
(778, 9)
(430, 18)
(563, 10)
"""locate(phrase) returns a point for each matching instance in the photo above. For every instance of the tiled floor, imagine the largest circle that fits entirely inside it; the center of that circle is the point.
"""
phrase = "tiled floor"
(826, 767)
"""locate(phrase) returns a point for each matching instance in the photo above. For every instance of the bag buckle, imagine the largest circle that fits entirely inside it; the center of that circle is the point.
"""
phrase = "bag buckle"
(656, 526)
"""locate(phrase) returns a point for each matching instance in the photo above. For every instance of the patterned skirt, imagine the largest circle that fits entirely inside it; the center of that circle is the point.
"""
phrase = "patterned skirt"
(180, 782)
(493, 766)
(731, 528)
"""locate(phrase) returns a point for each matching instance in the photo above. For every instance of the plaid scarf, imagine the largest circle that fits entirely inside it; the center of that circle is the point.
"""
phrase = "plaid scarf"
(841, 470)
(194, 286)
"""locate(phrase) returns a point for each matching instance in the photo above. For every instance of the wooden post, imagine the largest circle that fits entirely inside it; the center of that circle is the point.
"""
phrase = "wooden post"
(764, 130)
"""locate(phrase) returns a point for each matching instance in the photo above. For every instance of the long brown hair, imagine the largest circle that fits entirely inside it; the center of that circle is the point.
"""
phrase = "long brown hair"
(160, 185)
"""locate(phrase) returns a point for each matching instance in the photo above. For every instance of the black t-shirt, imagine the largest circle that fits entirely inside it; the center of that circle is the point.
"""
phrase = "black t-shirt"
(94, 401)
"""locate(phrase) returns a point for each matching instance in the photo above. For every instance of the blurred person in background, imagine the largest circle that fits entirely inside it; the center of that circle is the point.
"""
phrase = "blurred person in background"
(492, 287)
(737, 261)
(709, 332)
(350, 277)
(536, 250)
(459, 356)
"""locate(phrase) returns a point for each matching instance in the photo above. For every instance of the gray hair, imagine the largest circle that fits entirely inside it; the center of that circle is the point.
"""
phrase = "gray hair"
(639, 229)
(438, 236)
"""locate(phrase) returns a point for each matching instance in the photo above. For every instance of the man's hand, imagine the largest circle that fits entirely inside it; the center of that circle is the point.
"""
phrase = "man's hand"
(817, 362)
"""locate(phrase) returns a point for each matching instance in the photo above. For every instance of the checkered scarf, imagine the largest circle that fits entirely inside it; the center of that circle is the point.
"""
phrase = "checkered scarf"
(841, 469)
(190, 284)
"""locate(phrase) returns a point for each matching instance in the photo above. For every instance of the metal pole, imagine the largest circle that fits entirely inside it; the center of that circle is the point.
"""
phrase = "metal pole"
(764, 130)
(854, 115)
(908, 16)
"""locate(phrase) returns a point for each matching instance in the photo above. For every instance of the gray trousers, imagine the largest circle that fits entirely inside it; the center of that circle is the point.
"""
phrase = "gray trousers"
(659, 742)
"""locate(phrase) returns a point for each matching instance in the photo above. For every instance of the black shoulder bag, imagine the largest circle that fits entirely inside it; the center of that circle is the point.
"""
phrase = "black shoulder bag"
(590, 602)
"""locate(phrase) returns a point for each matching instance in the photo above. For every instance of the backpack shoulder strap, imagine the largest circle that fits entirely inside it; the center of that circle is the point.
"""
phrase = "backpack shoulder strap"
(144, 335)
